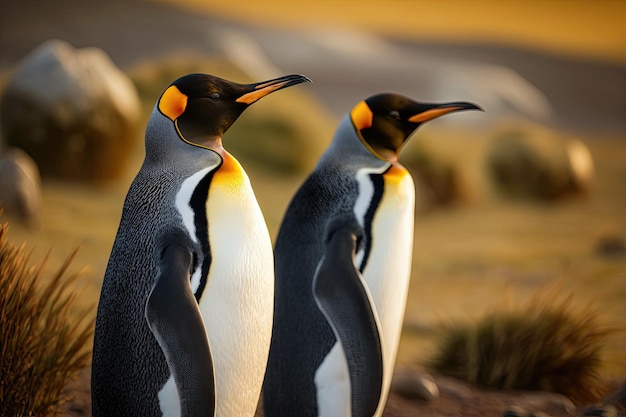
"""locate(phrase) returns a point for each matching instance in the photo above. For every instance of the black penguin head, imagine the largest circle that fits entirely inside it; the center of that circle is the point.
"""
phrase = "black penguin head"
(203, 106)
(385, 121)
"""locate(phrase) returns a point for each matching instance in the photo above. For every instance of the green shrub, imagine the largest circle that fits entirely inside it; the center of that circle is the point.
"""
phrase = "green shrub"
(41, 347)
(544, 345)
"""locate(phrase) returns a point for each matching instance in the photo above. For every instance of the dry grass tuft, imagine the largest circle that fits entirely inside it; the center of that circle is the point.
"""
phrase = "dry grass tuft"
(41, 348)
(545, 345)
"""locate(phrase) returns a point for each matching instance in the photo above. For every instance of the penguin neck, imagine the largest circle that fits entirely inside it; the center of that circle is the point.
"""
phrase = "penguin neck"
(347, 141)
(383, 153)
(211, 142)
(202, 140)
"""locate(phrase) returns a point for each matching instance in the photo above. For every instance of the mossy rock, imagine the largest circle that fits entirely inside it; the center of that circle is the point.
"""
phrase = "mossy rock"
(537, 163)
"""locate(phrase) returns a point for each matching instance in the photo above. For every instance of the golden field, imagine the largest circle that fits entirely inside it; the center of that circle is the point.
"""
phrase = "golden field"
(469, 259)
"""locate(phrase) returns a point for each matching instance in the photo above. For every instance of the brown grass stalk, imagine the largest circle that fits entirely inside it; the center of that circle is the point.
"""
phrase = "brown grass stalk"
(41, 346)
(545, 345)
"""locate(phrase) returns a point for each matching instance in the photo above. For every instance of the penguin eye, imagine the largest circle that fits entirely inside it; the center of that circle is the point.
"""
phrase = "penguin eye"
(394, 114)
(214, 96)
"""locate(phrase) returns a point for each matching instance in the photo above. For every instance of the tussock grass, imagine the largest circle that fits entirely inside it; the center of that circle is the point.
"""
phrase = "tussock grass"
(41, 348)
(545, 344)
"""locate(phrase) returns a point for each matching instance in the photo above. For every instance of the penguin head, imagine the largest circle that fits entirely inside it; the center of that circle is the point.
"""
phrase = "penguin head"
(386, 121)
(203, 107)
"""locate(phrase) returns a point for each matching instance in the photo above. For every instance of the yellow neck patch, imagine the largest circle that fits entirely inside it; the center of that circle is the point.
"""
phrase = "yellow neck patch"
(362, 116)
(230, 175)
(173, 103)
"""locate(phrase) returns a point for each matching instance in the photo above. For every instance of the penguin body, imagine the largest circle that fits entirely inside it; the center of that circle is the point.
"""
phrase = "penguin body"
(313, 369)
(185, 313)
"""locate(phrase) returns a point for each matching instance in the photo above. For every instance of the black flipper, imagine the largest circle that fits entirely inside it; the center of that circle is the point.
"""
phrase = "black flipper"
(175, 320)
(341, 296)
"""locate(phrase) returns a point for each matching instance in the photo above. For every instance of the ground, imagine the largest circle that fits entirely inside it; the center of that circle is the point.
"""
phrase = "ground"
(457, 399)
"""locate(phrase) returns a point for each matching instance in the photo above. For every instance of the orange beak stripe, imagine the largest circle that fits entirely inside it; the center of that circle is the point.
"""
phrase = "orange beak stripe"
(173, 103)
(431, 114)
(261, 91)
(362, 116)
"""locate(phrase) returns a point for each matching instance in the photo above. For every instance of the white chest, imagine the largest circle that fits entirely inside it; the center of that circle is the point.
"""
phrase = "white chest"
(238, 299)
(388, 269)
(386, 274)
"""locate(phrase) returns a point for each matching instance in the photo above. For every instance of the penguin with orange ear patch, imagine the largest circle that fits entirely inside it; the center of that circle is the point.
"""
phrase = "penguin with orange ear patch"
(185, 314)
(343, 260)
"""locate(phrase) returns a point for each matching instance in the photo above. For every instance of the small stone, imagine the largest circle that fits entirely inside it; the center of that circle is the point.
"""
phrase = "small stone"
(455, 388)
(516, 411)
(20, 186)
(611, 245)
(601, 411)
(413, 385)
(618, 396)
(549, 402)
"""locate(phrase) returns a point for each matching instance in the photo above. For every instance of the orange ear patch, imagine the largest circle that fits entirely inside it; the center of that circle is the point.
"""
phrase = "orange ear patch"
(362, 116)
(173, 103)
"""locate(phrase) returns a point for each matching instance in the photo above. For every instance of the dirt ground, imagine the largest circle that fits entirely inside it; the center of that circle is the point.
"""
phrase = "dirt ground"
(456, 399)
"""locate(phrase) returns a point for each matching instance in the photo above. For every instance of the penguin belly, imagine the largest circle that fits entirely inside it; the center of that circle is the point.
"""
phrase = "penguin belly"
(387, 276)
(388, 269)
(238, 300)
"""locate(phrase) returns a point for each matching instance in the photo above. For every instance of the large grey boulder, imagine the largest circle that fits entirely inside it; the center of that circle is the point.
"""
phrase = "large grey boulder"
(72, 110)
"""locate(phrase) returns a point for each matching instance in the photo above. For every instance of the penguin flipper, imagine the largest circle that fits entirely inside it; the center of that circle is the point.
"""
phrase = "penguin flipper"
(341, 295)
(174, 318)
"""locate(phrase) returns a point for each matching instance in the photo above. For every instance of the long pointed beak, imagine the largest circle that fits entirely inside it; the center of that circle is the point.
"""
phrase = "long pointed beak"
(260, 90)
(436, 110)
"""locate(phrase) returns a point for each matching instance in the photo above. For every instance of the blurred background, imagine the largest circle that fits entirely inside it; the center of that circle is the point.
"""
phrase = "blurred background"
(529, 194)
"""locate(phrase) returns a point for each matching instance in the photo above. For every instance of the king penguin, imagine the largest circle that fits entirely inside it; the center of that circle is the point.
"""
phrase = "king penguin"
(342, 261)
(185, 314)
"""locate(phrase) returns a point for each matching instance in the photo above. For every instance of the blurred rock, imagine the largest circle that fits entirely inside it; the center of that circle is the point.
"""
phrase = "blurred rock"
(72, 110)
(537, 163)
(600, 411)
(540, 404)
(547, 402)
(79, 393)
(516, 411)
(455, 388)
(437, 180)
(20, 186)
(611, 245)
(413, 385)
(617, 397)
